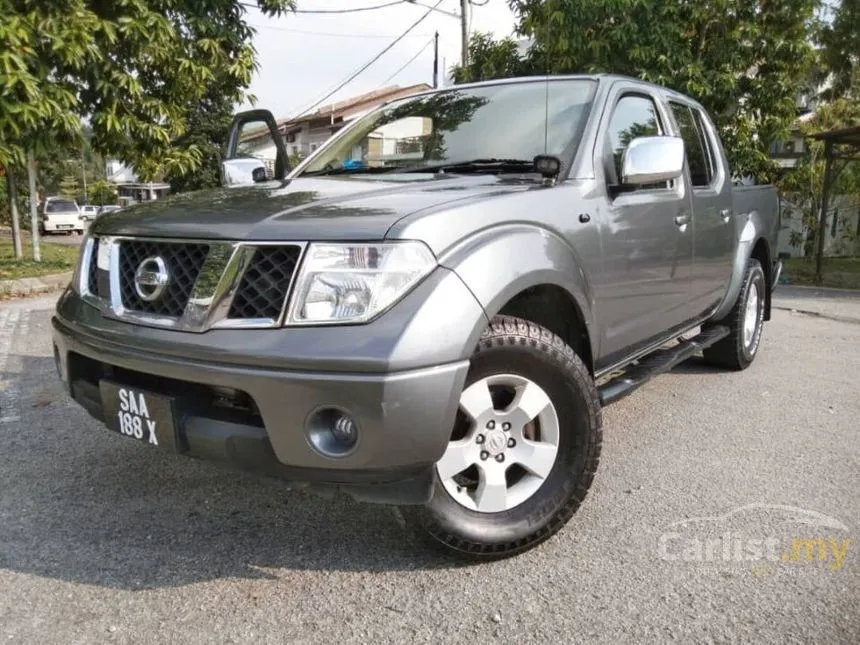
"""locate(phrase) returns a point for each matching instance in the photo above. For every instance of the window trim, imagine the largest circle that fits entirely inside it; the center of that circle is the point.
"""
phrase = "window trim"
(602, 143)
(704, 130)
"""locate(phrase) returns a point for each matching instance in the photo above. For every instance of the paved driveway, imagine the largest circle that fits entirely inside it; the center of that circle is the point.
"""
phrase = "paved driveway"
(103, 540)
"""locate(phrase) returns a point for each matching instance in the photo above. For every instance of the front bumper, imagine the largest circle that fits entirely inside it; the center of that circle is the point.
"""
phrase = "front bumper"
(404, 416)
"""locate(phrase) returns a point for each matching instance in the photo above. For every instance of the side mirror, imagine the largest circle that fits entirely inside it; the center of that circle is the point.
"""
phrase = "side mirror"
(255, 150)
(652, 160)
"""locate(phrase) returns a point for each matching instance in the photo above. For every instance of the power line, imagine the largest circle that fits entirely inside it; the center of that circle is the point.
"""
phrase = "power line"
(407, 63)
(354, 10)
(332, 34)
(372, 60)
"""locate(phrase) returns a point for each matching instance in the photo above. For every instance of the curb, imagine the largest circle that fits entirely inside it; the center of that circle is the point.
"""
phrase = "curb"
(31, 286)
(819, 314)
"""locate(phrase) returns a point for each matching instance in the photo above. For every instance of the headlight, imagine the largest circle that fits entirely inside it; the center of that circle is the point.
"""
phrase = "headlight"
(352, 283)
(85, 252)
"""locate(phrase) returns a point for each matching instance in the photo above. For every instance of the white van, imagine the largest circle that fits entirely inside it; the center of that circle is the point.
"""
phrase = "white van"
(58, 214)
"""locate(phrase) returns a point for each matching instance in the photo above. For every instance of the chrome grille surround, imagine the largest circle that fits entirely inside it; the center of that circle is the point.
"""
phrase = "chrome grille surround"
(215, 287)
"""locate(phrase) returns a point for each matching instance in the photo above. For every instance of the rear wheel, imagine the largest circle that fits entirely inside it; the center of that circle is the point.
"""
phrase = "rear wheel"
(745, 322)
(524, 449)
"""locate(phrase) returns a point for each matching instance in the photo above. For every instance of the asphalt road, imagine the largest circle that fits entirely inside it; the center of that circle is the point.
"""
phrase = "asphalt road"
(104, 540)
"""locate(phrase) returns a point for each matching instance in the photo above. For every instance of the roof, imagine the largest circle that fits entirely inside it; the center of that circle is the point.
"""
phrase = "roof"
(358, 103)
(840, 136)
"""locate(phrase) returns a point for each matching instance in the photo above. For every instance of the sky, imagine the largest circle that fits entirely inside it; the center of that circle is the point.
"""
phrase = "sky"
(303, 56)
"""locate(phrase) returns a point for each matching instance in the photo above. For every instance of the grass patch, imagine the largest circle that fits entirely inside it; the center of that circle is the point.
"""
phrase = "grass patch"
(56, 258)
(840, 273)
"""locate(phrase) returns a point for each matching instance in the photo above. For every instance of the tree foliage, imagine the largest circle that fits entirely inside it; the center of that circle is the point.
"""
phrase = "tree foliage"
(839, 40)
(101, 192)
(742, 59)
(70, 187)
(803, 186)
(489, 59)
(208, 123)
(131, 67)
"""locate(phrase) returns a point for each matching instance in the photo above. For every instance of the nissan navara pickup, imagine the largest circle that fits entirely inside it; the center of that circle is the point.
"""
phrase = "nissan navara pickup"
(432, 309)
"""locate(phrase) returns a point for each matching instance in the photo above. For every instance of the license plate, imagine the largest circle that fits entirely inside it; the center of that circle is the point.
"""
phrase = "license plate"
(139, 414)
(65, 225)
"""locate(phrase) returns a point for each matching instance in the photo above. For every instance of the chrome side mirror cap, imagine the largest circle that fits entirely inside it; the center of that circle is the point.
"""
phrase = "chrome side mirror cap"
(651, 160)
(242, 171)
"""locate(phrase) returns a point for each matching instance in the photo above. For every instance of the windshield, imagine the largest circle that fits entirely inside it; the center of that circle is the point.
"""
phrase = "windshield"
(60, 206)
(512, 121)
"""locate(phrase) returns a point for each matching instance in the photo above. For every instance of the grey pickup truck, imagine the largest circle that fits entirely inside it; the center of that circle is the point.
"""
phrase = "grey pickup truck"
(432, 309)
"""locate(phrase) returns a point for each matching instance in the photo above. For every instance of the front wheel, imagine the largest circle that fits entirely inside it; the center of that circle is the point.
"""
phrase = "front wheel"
(524, 449)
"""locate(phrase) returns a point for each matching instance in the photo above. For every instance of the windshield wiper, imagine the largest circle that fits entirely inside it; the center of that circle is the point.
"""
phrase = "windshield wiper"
(357, 170)
(476, 165)
(472, 165)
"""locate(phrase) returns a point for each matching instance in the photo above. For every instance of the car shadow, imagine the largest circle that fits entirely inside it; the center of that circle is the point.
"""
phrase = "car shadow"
(696, 365)
(80, 503)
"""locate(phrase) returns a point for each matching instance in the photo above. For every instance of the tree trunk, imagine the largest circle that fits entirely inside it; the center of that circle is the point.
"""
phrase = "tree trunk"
(34, 206)
(13, 209)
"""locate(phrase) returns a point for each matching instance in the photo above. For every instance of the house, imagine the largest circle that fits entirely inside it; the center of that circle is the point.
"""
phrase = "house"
(305, 133)
(129, 188)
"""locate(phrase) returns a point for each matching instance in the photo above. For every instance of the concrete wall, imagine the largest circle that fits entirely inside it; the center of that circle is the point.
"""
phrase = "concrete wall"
(840, 237)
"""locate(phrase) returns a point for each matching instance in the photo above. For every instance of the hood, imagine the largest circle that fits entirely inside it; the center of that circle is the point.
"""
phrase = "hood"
(313, 208)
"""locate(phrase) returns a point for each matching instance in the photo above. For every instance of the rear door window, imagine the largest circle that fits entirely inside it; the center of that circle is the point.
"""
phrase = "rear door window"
(699, 156)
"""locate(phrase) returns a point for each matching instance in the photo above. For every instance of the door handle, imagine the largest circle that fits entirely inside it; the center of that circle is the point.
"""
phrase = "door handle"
(726, 214)
(683, 219)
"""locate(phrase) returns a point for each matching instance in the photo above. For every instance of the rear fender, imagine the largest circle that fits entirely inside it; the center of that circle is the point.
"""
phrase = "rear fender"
(751, 232)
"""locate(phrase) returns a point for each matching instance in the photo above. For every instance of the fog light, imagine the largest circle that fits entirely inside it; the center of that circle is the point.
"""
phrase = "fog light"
(332, 432)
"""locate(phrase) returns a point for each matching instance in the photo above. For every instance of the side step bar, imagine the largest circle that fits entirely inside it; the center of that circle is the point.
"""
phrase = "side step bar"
(657, 362)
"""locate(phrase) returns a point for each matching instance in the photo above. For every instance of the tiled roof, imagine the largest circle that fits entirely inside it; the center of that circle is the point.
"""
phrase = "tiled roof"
(356, 103)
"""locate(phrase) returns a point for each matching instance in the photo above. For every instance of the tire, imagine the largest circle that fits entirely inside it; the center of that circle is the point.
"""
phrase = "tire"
(738, 350)
(518, 352)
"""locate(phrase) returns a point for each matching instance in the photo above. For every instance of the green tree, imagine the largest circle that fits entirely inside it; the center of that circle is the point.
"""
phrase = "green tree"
(803, 185)
(131, 66)
(489, 59)
(101, 192)
(70, 187)
(744, 60)
(208, 126)
(839, 40)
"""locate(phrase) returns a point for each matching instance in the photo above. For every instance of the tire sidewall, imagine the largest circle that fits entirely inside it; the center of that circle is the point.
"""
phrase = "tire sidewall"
(570, 470)
(755, 280)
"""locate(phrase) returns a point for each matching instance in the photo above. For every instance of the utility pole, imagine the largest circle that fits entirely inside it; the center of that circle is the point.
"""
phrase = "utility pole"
(34, 206)
(464, 25)
(84, 175)
(464, 33)
(436, 60)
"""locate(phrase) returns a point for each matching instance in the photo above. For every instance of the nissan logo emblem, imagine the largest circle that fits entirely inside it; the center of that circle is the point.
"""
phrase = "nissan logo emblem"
(151, 278)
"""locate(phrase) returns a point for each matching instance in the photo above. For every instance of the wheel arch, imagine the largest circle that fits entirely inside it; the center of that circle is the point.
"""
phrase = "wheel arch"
(752, 243)
(761, 252)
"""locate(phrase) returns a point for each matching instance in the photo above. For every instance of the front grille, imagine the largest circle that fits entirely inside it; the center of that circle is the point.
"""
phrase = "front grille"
(93, 269)
(183, 262)
(264, 285)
